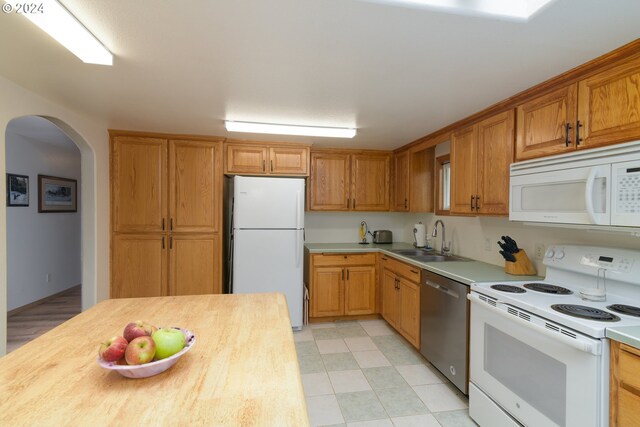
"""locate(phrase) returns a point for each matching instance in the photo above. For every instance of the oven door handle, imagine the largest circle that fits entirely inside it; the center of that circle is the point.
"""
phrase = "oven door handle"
(594, 348)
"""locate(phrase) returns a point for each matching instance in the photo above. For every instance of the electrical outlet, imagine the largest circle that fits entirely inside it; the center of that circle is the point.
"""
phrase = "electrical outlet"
(487, 244)
(47, 277)
(540, 250)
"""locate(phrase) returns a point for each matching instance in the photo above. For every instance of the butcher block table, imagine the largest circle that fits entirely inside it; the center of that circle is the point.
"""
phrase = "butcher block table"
(242, 370)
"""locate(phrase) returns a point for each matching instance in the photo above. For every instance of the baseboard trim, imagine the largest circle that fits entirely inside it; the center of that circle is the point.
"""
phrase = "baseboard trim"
(339, 318)
(40, 301)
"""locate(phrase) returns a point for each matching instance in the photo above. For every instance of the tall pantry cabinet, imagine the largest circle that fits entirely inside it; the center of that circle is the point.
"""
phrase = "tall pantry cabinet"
(166, 195)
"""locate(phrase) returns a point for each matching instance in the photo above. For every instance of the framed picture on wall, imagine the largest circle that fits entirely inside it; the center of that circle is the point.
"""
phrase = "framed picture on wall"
(57, 194)
(17, 190)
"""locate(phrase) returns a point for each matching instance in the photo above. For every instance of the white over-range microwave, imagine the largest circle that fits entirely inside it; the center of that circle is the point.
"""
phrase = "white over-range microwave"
(597, 187)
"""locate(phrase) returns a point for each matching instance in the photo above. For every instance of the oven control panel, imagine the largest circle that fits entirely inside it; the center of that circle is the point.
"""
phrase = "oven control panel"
(607, 262)
(624, 264)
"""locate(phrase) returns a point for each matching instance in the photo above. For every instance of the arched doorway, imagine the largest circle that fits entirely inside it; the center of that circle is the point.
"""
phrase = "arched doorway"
(51, 245)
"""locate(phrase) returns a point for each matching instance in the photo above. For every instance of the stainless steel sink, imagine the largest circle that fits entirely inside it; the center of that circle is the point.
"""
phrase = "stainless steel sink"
(438, 258)
(412, 252)
(422, 255)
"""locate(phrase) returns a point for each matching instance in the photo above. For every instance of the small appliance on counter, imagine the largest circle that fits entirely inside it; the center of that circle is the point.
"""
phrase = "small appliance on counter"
(382, 236)
(516, 260)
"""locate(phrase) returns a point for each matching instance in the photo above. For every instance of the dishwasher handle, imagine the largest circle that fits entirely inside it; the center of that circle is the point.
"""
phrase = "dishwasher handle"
(441, 288)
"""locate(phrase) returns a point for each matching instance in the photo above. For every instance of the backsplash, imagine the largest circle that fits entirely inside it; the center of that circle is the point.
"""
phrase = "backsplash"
(342, 227)
(468, 235)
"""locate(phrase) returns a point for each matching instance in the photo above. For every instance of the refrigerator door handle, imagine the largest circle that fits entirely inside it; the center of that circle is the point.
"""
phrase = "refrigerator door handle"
(299, 244)
(299, 210)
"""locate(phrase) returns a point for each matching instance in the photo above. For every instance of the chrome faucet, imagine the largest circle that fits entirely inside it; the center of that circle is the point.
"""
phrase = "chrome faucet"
(443, 248)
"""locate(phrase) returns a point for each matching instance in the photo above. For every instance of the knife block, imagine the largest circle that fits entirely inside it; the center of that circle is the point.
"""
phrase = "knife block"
(522, 266)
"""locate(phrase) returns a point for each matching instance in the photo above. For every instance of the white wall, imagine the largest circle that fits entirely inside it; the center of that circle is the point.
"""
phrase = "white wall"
(91, 137)
(343, 227)
(41, 243)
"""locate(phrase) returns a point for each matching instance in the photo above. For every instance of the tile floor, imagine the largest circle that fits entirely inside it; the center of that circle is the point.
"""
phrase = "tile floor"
(363, 374)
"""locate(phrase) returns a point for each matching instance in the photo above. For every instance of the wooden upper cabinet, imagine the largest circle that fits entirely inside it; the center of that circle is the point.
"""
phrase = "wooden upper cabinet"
(266, 159)
(194, 264)
(329, 182)
(421, 180)
(195, 184)
(248, 159)
(609, 106)
(289, 161)
(495, 154)
(480, 159)
(401, 185)
(546, 125)
(138, 184)
(370, 182)
(138, 265)
(464, 170)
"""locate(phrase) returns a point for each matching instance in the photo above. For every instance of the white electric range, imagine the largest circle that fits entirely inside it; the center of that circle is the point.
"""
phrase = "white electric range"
(538, 352)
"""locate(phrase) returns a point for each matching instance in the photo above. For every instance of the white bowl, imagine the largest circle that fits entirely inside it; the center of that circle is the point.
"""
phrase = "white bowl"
(152, 368)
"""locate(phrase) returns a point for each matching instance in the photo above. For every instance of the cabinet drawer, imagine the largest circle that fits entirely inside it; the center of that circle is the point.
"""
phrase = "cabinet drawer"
(630, 367)
(408, 271)
(344, 259)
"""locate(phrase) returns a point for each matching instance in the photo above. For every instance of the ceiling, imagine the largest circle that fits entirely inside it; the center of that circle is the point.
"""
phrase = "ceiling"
(396, 73)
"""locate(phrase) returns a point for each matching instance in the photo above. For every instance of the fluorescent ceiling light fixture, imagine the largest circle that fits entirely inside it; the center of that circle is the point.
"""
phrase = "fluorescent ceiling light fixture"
(60, 24)
(513, 9)
(248, 127)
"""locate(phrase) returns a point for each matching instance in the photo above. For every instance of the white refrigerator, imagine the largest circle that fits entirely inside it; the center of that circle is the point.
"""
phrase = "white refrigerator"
(268, 238)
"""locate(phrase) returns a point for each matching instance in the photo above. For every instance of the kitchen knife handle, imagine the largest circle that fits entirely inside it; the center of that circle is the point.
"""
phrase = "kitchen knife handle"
(567, 128)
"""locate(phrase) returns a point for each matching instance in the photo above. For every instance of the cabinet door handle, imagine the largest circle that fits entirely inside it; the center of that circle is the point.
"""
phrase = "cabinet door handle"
(567, 128)
(413, 271)
(162, 224)
(171, 242)
(384, 259)
(171, 224)
(405, 203)
(347, 274)
(264, 166)
(472, 197)
(354, 203)
(348, 203)
(477, 203)
(163, 242)
(271, 161)
(342, 274)
(578, 139)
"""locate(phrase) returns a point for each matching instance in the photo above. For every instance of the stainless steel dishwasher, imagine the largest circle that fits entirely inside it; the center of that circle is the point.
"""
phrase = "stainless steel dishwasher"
(444, 326)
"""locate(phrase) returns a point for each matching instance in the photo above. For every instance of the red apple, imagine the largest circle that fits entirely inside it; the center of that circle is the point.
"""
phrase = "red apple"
(112, 349)
(136, 329)
(140, 350)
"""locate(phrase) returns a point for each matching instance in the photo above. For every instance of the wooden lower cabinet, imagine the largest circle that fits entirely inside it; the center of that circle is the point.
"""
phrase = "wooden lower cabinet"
(160, 264)
(342, 285)
(401, 300)
(360, 290)
(194, 264)
(390, 297)
(409, 311)
(138, 265)
(327, 294)
(624, 403)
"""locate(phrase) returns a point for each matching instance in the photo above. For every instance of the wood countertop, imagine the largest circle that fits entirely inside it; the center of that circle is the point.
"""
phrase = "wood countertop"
(242, 370)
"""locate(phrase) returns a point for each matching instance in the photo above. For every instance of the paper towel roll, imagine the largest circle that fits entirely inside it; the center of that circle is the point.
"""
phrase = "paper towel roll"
(419, 232)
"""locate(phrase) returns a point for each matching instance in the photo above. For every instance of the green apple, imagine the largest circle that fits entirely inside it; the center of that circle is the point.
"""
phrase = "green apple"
(168, 341)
